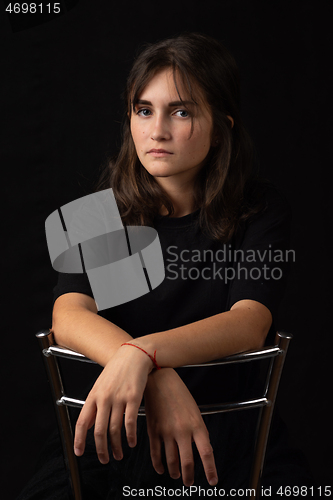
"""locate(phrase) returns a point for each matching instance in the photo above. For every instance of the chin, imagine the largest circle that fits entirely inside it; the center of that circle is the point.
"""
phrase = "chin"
(160, 171)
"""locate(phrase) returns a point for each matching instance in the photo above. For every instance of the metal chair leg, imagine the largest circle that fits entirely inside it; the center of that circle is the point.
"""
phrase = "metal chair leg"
(46, 339)
(266, 412)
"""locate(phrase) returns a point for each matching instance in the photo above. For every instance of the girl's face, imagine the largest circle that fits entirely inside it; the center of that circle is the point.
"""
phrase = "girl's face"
(161, 130)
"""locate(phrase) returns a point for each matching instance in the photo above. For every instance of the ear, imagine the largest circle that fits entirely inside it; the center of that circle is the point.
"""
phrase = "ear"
(232, 120)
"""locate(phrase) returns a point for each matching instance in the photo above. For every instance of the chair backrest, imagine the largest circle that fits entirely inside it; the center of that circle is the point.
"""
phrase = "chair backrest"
(276, 353)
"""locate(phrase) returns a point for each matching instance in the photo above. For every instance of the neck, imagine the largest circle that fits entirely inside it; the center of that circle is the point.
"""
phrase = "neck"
(181, 197)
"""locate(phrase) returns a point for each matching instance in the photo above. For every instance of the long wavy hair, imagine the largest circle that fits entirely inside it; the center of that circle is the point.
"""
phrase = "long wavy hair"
(226, 188)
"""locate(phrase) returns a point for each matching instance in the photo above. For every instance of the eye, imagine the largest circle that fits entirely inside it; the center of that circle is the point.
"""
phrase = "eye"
(143, 112)
(183, 113)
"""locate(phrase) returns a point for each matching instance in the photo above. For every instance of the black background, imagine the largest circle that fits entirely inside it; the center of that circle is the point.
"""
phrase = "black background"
(62, 77)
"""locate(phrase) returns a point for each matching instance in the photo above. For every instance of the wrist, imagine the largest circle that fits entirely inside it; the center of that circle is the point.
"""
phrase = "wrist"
(152, 357)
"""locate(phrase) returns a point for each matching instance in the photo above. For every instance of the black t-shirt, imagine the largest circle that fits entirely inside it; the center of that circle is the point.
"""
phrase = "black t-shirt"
(206, 277)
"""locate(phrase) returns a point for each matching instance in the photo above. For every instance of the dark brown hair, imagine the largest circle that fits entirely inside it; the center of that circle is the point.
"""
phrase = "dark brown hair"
(224, 188)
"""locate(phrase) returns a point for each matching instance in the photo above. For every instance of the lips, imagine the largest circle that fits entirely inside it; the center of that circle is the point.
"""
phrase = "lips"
(159, 153)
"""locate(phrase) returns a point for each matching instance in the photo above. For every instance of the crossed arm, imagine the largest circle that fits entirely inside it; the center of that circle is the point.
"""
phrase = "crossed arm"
(172, 414)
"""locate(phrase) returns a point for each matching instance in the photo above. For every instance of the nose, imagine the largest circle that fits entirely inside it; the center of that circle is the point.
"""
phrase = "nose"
(160, 129)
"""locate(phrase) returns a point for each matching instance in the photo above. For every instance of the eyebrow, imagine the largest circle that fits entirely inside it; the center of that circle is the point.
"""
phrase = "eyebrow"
(171, 104)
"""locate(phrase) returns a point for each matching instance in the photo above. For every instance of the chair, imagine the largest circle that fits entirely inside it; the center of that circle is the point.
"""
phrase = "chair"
(276, 353)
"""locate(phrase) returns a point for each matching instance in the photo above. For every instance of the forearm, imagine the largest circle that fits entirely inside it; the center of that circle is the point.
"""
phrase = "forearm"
(237, 330)
(77, 326)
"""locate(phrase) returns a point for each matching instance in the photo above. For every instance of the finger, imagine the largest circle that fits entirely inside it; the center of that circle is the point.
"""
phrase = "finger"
(84, 422)
(131, 415)
(100, 432)
(186, 461)
(155, 453)
(116, 422)
(172, 458)
(207, 457)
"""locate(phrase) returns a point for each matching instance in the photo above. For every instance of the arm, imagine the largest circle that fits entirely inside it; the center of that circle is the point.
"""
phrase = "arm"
(128, 373)
(74, 320)
(242, 328)
(173, 418)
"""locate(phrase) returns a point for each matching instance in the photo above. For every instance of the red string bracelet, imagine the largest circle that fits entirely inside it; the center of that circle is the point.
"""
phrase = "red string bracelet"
(153, 358)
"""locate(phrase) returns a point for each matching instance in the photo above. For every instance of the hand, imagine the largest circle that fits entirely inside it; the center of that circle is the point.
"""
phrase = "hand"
(174, 418)
(118, 390)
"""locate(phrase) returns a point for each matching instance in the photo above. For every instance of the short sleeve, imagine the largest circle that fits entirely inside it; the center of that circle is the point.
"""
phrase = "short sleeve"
(68, 283)
(263, 254)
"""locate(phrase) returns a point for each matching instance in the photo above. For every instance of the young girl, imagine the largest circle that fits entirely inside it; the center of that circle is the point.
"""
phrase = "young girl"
(185, 168)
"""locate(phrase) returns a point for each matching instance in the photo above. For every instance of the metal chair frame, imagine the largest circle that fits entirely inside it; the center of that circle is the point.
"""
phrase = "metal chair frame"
(277, 353)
